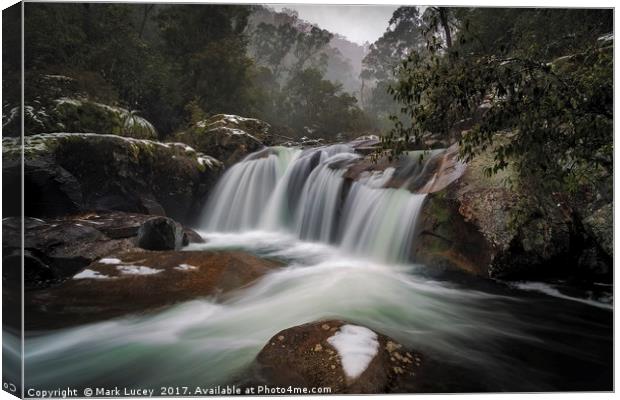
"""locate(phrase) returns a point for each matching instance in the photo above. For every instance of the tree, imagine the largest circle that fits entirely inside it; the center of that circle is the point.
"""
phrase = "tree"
(273, 44)
(313, 105)
(545, 82)
(309, 45)
(207, 50)
(403, 35)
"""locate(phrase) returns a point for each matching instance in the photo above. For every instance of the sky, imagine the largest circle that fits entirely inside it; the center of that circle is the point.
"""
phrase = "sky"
(359, 23)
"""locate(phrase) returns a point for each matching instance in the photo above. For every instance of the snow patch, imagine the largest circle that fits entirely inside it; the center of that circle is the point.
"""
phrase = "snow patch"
(110, 261)
(357, 346)
(186, 267)
(137, 270)
(90, 274)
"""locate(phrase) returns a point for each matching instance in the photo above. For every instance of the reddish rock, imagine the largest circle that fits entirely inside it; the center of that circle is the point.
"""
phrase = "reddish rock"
(142, 281)
(302, 356)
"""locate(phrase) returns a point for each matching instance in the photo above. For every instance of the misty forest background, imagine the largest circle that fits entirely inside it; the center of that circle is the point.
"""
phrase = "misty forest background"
(535, 84)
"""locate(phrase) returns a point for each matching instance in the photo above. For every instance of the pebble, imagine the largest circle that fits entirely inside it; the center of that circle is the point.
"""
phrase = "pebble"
(280, 338)
(391, 346)
(325, 327)
(318, 347)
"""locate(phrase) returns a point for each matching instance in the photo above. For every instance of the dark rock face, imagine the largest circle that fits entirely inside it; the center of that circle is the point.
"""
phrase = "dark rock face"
(160, 233)
(229, 138)
(305, 356)
(137, 281)
(67, 173)
(468, 225)
(56, 249)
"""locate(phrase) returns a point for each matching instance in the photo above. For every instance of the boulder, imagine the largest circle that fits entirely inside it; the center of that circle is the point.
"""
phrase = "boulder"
(160, 233)
(57, 103)
(228, 138)
(68, 173)
(134, 281)
(470, 224)
(344, 357)
(56, 249)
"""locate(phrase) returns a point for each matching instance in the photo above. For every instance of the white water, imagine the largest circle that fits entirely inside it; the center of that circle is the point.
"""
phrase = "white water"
(305, 193)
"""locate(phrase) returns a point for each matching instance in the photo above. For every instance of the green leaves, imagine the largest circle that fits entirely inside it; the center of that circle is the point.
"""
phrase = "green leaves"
(548, 113)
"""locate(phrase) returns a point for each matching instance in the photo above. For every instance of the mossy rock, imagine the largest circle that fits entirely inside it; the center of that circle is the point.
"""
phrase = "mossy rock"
(477, 224)
(229, 138)
(109, 172)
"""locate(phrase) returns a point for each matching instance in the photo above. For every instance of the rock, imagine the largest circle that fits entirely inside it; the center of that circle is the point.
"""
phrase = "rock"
(469, 225)
(311, 355)
(56, 249)
(160, 233)
(134, 281)
(600, 226)
(68, 173)
(56, 103)
(228, 138)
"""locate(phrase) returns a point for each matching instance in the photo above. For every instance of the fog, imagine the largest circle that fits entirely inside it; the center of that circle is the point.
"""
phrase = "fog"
(359, 23)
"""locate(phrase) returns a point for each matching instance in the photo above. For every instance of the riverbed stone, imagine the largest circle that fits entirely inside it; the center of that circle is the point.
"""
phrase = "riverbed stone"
(160, 233)
(55, 249)
(302, 356)
(138, 281)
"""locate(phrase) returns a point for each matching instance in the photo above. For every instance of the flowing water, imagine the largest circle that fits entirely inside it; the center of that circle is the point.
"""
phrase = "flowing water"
(346, 248)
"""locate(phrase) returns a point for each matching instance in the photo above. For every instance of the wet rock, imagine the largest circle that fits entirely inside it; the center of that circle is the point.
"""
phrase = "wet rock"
(56, 249)
(344, 357)
(469, 225)
(228, 138)
(134, 281)
(160, 233)
(417, 171)
(68, 173)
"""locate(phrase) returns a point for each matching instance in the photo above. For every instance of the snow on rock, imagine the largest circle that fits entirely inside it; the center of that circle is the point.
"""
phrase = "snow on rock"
(90, 274)
(357, 346)
(137, 270)
(110, 261)
(186, 267)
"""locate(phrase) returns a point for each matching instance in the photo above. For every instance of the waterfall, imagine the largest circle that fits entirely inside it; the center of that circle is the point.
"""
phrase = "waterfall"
(305, 193)
(241, 195)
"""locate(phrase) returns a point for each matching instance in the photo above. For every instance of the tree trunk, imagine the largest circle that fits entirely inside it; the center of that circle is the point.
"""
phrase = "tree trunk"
(147, 9)
(443, 18)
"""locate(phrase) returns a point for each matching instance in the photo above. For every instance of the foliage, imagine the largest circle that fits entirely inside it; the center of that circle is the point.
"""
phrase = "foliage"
(536, 84)
(314, 105)
(174, 63)
(405, 34)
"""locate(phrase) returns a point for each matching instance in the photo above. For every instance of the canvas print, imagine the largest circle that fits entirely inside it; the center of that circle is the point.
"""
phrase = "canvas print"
(255, 199)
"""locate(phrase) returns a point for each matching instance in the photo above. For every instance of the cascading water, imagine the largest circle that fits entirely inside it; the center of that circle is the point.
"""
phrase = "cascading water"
(306, 193)
(246, 188)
